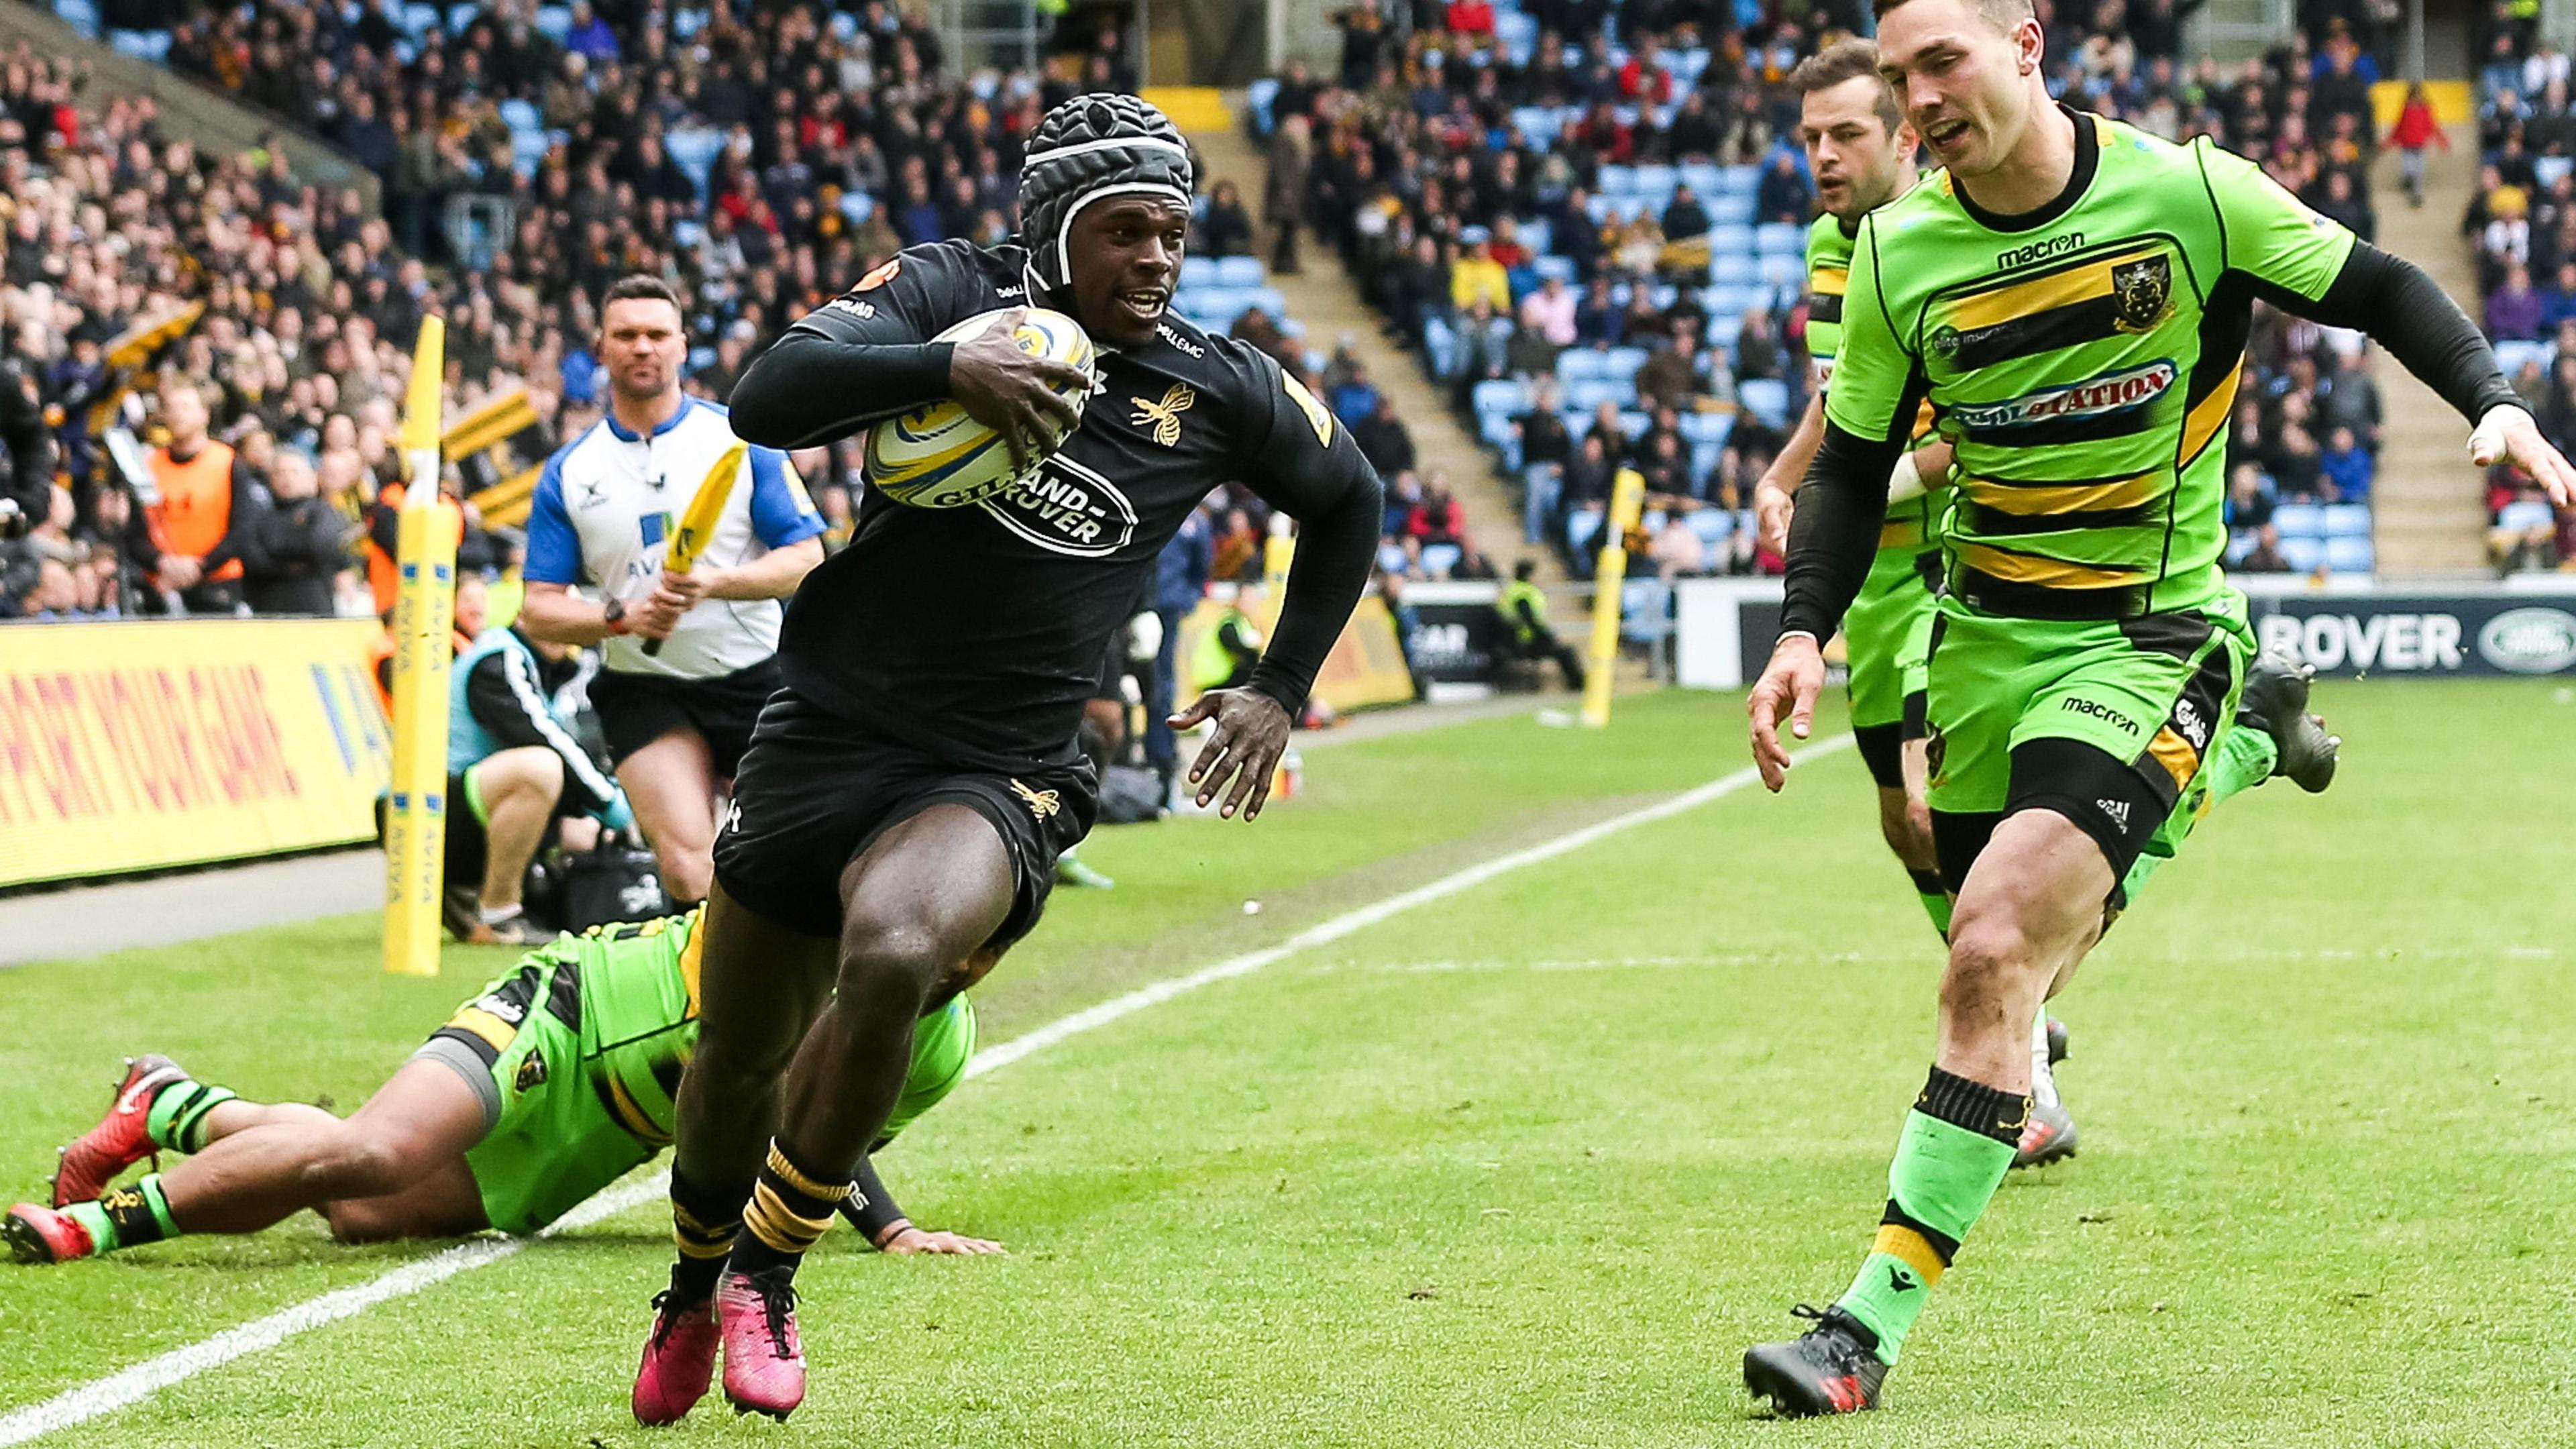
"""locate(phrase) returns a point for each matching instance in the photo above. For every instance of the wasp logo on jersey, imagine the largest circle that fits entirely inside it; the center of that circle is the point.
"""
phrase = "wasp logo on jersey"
(2111, 392)
(2142, 293)
(1165, 416)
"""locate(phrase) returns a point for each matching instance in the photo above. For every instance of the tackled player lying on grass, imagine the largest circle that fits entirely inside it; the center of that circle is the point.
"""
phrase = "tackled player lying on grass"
(551, 1084)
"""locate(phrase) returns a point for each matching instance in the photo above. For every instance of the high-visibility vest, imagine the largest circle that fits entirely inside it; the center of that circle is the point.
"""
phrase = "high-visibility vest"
(1509, 602)
(381, 574)
(196, 503)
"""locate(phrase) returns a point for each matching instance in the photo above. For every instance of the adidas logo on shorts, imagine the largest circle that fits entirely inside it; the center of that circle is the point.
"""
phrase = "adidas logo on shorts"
(2118, 810)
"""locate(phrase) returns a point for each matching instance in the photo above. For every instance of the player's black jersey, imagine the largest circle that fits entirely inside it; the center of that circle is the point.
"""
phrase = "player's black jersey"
(977, 632)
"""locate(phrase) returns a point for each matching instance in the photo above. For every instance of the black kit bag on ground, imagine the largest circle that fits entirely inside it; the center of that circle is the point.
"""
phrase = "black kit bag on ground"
(618, 880)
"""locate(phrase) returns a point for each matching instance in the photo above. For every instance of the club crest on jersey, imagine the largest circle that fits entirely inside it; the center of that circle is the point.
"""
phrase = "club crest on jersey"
(2141, 293)
(1165, 416)
(2111, 392)
(1067, 508)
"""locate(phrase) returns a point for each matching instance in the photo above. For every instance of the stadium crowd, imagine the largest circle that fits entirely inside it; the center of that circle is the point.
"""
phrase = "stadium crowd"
(2521, 222)
(760, 164)
(1558, 225)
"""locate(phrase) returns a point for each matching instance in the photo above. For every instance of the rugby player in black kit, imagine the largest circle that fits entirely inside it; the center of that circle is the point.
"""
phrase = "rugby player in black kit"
(906, 794)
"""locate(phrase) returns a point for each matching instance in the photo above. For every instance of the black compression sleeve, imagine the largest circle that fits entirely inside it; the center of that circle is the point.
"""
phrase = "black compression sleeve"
(869, 1207)
(1336, 546)
(1833, 537)
(799, 393)
(2406, 311)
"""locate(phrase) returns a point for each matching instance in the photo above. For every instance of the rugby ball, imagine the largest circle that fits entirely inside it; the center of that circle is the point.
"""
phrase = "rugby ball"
(935, 456)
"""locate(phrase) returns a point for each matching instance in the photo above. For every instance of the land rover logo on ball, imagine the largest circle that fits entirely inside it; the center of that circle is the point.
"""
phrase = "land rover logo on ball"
(2529, 641)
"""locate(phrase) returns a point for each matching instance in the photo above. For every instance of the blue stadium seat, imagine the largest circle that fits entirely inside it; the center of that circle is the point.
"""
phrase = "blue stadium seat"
(81, 15)
(1197, 272)
(1597, 207)
(1440, 347)
(1242, 272)
(1711, 524)
(1499, 395)
(693, 149)
(1735, 301)
(1655, 183)
(1707, 178)
(1617, 181)
(2305, 555)
(1781, 239)
(1734, 269)
(1580, 364)
(1586, 395)
(1724, 328)
(687, 233)
(1537, 125)
(1623, 362)
(1687, 66)
(1725, 239)
(1634, 422)
(1261, 95)
(1704, 458)
(1439, 558)
(1742, 180)
(1645, 609)
(1766, 398)
(1714, 428)
(2299, 520)
(1539, 234)
(521, 115)
(2349, 555)
(461, 15)
(144, 45)
(857, 206)
(418, 18)
(1390, 557)
(1580, 530)
(2523, 515)
(1783, 273)
(2348, 520)
(2512, 353)
(554, 22)
(1561, 268)
(527, 150)
(1268, 299)
(1729, 210)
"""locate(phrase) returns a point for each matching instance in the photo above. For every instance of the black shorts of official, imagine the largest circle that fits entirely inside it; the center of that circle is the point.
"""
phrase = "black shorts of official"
(816, 789)
(1882, 746)
(637, 709)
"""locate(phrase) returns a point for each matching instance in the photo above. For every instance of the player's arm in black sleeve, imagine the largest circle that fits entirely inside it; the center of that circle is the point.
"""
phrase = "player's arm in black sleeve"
(1310, 469)
(870, 1208)
(1833, 537)
(2404, 310)
(864, 355)
(504, 697)
(28, 494)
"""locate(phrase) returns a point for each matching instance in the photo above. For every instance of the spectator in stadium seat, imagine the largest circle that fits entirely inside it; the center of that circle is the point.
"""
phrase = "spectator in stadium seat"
(1671, 378)
(1677, 549)
(298, 544)
(2265, 556)
(2347, 469)
(1438, 518)
(1226, 229)
(590, 36)
(1284, 200)
(1383, 438)
(1784, 195)
(2514, 310)
(1599, 319)
(1477, 277)
(1684, 216)
(1759, 350)
(2249, 498)
(1549, 311)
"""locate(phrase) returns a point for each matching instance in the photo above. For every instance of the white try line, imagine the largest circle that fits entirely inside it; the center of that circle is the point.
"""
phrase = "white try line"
(127, 1386)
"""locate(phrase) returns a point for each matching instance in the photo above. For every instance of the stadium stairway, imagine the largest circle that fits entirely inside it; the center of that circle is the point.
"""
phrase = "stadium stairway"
(1324, 298)
(2430, 507)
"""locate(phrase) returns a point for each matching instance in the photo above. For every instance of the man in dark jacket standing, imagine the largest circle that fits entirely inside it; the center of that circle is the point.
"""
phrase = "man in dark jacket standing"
(297, 545)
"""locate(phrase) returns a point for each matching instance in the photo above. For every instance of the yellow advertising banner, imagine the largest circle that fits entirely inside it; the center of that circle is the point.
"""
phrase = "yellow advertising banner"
(1365, 668)
(134, 746)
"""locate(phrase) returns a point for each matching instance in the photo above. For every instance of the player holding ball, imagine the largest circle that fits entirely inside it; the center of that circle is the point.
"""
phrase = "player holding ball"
(906, 793)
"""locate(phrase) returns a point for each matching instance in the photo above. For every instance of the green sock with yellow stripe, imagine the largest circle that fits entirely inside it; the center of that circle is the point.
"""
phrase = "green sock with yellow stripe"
(1957, 1146)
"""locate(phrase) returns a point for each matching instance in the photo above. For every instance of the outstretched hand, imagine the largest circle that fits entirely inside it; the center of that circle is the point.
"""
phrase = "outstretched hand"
(1789, 685)
(1015, 393)
(907, 1240)
(1250, 735)
(2510, 435)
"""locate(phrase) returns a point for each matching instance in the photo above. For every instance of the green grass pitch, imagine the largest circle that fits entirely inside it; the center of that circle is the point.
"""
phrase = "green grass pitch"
(1533, 1164)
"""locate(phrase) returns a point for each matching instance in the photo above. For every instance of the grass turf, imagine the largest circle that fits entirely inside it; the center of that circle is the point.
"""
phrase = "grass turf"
(1533, 1163)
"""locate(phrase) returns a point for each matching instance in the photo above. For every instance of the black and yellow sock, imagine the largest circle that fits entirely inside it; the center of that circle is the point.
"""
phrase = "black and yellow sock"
(1936, 898)
(705, 1222)
(177, 1120)
(127, 1217)
(790, 1207)
(1958, 1144)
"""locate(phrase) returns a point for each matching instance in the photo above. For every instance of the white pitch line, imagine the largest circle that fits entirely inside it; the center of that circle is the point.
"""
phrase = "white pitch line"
(128, 1386)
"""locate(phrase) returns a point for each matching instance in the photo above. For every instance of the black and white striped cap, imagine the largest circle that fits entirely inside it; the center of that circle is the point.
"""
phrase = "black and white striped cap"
(1090, 148)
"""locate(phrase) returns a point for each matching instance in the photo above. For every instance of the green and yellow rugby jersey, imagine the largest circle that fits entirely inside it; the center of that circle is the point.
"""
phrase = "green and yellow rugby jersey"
(1913, 526)
(2083, 358)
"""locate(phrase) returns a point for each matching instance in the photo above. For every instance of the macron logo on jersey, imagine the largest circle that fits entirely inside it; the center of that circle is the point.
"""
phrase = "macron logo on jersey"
(2039, 251)
(2109, 393)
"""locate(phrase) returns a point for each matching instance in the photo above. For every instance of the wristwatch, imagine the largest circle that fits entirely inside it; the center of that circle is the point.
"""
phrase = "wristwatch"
(613, 614)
